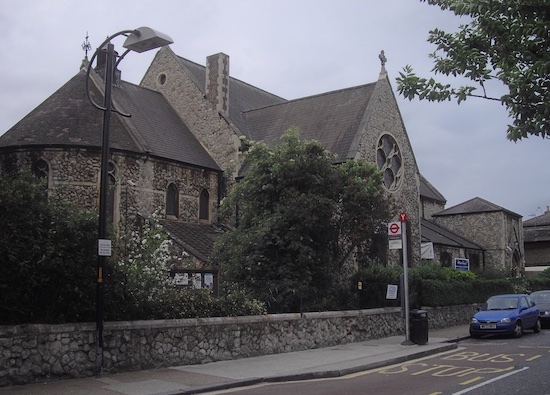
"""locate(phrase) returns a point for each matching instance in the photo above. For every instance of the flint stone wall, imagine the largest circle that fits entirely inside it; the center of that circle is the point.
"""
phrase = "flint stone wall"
(32, 353)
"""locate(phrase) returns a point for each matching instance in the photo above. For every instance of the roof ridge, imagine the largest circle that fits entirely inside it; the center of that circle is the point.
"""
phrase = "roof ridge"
(291, 101)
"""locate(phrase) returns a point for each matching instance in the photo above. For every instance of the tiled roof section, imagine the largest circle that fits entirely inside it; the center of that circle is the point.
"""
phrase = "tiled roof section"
(535, 234)
(537, 229)
(437, 234)
(331, 118)
(67, 118)
(163, 133)
(476, 205)
(427, 190)
(197, 239)
(541, 220)
(242, 96)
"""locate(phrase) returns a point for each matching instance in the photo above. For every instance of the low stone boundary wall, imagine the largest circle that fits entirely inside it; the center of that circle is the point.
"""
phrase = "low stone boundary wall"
(30, 353)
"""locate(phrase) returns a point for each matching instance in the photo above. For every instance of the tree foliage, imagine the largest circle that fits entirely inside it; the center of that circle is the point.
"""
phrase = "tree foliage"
(300, 218)
(48, 255)
(503, 40)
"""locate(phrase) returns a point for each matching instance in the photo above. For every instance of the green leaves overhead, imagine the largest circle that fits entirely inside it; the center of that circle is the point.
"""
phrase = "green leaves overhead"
(502, 40)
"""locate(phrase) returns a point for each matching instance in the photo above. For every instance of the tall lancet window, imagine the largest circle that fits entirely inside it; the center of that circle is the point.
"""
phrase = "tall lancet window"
(172, 201)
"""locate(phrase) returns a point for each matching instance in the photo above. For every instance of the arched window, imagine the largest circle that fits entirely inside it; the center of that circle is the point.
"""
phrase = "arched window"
(41, 169)
(204, 205)
(172, 204)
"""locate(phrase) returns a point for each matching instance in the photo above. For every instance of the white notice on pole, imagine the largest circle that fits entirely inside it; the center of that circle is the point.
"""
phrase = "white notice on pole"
(104, 247)
(391, 292)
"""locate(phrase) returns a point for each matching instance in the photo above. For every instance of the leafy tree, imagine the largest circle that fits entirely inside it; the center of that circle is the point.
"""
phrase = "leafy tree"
(48, 254)
(300, 219)
(503, 40)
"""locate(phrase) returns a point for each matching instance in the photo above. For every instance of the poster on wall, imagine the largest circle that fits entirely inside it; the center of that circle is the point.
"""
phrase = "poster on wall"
(208, 280)
(197, 280)
(462, 264)
(181, 279)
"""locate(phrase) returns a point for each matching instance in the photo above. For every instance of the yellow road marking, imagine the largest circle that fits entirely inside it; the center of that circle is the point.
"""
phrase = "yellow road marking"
(533, 358)
(471, 380)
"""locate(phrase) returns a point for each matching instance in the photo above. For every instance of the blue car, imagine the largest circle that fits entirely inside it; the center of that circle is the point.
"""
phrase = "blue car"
(506, 315)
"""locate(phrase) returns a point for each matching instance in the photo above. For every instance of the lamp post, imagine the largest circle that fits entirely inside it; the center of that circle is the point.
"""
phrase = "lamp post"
(138, 40)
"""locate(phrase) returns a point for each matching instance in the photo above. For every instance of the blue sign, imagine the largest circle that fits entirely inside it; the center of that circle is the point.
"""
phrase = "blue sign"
(462, 264)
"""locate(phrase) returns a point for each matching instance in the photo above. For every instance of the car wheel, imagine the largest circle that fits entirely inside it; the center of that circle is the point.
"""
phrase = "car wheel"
(537, 326)
(518, 329)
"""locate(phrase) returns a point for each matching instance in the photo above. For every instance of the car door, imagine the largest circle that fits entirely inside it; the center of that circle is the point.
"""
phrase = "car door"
(529, 313)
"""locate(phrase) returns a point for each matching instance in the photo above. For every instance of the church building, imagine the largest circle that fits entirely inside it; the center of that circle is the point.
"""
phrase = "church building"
(181, 148)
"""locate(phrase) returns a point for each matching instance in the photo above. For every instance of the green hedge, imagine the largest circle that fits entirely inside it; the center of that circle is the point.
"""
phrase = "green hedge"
(444, 293)
(433, 285)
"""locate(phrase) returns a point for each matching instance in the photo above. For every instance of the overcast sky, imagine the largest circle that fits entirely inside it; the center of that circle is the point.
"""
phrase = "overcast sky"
(292, 48)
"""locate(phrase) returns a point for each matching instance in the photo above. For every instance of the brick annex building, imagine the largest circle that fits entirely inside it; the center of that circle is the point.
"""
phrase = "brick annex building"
(181, 147)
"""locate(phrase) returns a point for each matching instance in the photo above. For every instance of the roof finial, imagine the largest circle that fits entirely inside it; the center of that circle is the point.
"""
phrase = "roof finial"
(86, 46)
(383, 61)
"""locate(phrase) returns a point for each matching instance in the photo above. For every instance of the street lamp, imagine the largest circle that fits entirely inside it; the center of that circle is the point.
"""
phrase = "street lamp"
(138, 40)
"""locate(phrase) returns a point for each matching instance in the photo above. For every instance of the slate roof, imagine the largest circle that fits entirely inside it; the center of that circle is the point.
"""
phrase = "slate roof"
(242, 96)
(437, 234)
(476, 205)
(67, 119)
(427, 190)
(537, 229)
(541, 220)
(198, 239)
(331, 118)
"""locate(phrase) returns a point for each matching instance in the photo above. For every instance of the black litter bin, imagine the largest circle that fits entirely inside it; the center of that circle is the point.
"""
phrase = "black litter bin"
(419, 326)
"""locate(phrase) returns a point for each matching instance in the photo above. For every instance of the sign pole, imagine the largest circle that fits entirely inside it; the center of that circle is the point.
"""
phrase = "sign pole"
(403, 219)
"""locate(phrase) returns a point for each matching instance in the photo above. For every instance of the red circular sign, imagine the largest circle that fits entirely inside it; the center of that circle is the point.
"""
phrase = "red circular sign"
(403, 217)
(394, 228)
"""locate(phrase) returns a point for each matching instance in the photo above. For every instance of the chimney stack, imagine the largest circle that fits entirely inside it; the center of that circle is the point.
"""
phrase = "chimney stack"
(217, 82)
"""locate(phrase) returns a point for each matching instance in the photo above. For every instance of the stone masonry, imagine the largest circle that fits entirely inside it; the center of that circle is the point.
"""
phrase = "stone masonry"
(34, 353)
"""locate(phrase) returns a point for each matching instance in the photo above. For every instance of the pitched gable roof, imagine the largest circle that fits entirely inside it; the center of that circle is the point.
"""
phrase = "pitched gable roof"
(427, 190)
(242, 96)
(331, 118)
(67, 119)
(476, 205)
(437, 234)
(541, 220)
(197, 239)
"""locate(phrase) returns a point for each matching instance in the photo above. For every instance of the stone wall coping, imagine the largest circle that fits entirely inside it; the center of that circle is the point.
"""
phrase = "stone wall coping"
(15, 330)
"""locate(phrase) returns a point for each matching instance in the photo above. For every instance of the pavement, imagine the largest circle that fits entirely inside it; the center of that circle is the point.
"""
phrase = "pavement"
(326, 362)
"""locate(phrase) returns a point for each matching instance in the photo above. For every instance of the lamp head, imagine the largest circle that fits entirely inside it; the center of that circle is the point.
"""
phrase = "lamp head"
(144, 38)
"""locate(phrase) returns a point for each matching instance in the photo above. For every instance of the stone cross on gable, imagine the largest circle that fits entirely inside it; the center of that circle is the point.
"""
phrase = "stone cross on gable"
(383, 61)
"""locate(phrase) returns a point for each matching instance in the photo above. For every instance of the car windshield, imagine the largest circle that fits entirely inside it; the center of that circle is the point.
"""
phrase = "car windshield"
(541, 298)
(502, 303)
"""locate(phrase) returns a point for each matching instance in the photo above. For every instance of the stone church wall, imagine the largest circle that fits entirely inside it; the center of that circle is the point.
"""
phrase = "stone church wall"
(388, 121)
(212, 129)
(140, 182)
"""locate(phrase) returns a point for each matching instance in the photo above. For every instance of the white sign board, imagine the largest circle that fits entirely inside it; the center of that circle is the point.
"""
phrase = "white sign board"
(104, 247)
(391, 292)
